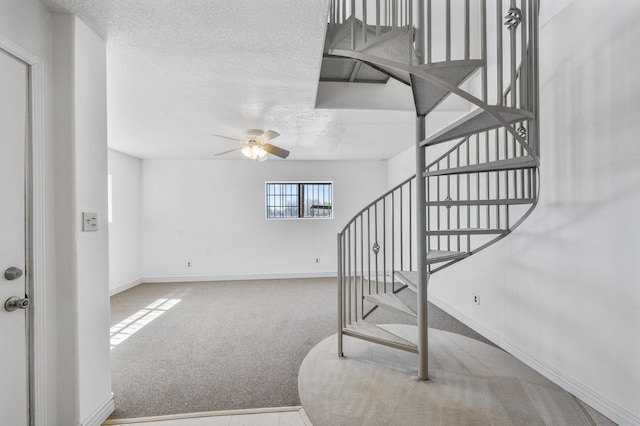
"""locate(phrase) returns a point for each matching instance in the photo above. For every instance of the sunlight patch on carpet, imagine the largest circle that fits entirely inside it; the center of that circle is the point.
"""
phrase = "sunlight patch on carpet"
(127, 328)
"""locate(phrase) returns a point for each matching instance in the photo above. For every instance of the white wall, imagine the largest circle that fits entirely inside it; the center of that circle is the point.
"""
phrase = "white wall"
(401, 167)
(90, 93)
(212, 214)
(84, 373)
(561, 292)
(125, 261)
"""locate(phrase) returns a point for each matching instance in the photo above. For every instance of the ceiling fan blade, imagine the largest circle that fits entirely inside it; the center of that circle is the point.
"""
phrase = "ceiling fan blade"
(275, 150)
(267, 136)
(228, 152)
(227, 137)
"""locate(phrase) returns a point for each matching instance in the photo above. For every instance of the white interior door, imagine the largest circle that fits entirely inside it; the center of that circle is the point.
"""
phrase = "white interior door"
(14, 393)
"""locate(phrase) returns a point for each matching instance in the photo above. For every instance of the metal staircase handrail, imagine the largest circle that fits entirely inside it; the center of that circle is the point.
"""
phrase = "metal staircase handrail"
(447, 153)
(377, 200)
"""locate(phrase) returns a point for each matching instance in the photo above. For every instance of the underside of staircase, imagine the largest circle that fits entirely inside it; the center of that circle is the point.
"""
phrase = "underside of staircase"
(476, 179)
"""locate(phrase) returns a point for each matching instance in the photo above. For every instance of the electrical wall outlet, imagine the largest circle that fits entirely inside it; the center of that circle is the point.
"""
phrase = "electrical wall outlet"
(476, 299)
(188, 264)
(317, 260)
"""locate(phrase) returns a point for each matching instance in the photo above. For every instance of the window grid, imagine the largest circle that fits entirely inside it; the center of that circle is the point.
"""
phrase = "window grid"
(299, 200)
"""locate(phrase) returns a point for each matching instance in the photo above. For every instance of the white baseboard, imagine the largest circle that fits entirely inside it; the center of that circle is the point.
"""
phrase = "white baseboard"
(598, 402)
(238, 277)
(101, 413)
(124, 287)
(187, 279)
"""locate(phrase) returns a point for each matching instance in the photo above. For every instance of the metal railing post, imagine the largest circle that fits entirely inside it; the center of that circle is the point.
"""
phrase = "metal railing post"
(340, 300)
(535, 78)
(421, 224)
(421, 264)
(353, 24)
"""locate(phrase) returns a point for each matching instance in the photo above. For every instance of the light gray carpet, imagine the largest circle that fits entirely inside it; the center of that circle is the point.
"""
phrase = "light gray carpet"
(227, 345)
(471, 383)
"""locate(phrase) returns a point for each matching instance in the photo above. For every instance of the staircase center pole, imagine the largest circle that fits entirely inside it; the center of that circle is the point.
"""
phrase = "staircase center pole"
(421, 223)
(423, 275)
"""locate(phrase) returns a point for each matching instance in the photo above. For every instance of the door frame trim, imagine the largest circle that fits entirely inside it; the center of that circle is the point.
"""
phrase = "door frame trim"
(35, 172)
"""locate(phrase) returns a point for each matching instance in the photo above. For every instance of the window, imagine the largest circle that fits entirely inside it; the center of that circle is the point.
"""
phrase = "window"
(294, 200)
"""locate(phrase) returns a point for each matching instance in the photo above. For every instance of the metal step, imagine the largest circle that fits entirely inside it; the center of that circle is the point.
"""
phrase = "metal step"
(380, 282)
(478, 120)
(517, 163)
(500, 202)
(341, 37)
(391, 302)
(468, 231)
(372, 333)
(348, 70)
(436, 256)
(380, 279)
(392, 43)
(409, 278)
(427, 95)
(401, 76)
(391, 46)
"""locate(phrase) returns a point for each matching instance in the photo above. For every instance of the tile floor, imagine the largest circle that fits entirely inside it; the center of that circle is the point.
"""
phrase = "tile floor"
(294, 416)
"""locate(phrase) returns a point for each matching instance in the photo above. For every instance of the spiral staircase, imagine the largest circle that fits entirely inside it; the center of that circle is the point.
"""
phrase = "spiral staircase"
(476, 179)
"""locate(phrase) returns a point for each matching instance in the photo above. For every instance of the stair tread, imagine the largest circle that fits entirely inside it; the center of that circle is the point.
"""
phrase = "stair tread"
(476, 121)
(368, 329)
(434, 256)
(468, 231)
(392, 43)
(397, 74)
(349, 70)
(427, 95)
(393, 46)
(380, 280)
(491, 166)
(342, 36)
(392, 302)
(409, 278)
(491, 202)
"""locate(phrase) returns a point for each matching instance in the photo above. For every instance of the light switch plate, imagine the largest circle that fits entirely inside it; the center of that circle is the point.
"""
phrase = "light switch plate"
(89, 221)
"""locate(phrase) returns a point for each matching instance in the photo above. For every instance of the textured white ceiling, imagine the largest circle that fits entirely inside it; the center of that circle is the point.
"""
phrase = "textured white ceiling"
(180, 70)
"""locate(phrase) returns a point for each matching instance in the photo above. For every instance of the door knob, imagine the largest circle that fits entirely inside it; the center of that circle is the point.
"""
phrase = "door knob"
(13, 273)
(14, 303)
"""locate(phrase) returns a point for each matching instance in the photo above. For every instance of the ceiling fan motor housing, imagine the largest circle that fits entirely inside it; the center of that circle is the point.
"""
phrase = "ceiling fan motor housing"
(253, 134)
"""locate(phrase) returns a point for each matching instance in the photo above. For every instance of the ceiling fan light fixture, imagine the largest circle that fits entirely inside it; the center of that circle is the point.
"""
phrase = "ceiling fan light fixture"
(253, 152)
(256, 146)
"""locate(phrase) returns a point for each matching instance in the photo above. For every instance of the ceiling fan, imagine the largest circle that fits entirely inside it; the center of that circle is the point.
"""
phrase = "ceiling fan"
(255, 146)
